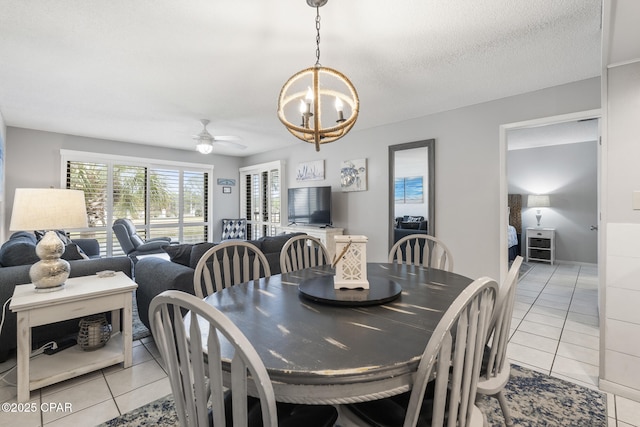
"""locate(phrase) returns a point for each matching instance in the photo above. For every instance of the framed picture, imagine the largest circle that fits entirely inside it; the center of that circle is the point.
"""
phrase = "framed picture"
(226, 190)
(409, 190)
(226, 181)
(310, 171)
(353, 175)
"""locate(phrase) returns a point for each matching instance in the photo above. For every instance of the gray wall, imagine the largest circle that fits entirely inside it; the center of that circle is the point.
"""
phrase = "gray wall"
(467, 171)
(3, 132)
(568, 173)
(34, 161)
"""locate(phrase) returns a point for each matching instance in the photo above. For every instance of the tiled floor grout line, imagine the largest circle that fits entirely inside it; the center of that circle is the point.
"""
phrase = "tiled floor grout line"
(566, 316)
(532, 303)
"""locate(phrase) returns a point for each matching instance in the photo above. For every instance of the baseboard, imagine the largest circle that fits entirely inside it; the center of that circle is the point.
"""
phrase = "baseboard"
(619, 390)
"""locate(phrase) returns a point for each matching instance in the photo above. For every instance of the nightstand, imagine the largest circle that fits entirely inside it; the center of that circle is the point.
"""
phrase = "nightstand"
(541, 245)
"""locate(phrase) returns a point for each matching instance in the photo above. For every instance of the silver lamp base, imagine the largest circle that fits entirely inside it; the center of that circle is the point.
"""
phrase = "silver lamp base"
(50, 273)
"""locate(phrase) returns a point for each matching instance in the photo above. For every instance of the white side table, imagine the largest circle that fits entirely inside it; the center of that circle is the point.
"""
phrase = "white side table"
(81, 296)
(541, 245)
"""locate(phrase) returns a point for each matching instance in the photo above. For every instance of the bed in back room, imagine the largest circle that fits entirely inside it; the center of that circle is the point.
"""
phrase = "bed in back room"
(514, 229)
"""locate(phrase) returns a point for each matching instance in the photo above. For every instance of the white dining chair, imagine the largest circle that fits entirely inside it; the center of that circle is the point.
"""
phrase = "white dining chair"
(227, 264)
(194, 361)
(496, 366)
(453, 356)
(303, 251)
(423, 250)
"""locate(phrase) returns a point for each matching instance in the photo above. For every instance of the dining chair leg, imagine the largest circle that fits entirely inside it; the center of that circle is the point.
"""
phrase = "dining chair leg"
(505, 408)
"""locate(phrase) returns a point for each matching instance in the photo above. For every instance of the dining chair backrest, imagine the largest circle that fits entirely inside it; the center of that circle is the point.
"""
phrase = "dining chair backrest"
(197, 379)
(423, 250)
(303, 251)
(501, 322)
(454, 352)
(227, 264)
(496, 366)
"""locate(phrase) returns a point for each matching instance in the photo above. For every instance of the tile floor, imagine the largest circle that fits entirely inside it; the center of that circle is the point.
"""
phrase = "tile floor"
(554, 330)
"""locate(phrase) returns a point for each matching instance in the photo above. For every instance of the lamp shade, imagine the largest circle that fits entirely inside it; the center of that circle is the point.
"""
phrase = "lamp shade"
(538, 201)
(48, 209)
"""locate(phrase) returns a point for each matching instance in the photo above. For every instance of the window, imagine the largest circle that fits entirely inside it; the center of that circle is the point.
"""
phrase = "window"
(261, 187)
(167, 199)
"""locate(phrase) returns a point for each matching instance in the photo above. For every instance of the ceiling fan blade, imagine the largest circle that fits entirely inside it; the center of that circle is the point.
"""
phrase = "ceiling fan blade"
(229, 144)
(227, 138)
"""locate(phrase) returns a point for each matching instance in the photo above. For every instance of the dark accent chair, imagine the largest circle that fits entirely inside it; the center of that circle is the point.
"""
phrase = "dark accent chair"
(132, 244)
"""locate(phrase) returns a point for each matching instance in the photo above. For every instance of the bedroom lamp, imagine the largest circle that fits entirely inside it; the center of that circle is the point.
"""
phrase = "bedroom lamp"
(303, 96)
(538, 201)
(48, 209)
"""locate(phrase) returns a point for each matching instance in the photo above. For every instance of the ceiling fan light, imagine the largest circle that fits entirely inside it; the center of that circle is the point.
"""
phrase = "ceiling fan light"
(204, 147)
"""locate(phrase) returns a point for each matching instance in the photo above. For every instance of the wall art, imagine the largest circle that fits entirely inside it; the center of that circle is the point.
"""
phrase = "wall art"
(353, 175)
(409, 190)
(226, 181)
(310, 171)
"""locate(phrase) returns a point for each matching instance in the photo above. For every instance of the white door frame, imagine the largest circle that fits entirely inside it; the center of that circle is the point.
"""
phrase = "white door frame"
(504, 218)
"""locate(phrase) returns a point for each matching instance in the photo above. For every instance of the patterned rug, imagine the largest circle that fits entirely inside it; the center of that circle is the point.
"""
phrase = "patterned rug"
(535, 399)
(139, 330)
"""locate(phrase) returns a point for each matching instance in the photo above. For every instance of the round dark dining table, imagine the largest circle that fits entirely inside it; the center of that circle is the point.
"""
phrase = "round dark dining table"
(319, 353)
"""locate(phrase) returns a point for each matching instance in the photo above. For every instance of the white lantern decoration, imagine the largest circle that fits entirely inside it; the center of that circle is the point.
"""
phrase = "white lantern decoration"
(351, 262)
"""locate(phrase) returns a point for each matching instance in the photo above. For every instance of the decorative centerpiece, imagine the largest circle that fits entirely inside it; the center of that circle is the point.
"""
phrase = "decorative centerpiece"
(94, 332)
(350, 262)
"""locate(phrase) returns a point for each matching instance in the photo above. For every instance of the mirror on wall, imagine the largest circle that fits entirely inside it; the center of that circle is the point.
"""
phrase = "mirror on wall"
(411, 189)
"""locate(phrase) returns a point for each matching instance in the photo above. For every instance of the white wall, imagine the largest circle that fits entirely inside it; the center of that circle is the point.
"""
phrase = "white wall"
(620, 250)
(568, 173)
(466, 168)
(33, 160)
(619, 369)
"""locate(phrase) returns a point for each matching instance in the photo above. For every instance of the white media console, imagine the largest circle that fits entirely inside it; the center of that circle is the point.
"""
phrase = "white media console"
(325, 234)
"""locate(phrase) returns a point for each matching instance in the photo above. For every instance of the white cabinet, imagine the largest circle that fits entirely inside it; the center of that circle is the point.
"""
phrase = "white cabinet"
(326, 235)
(541, 245)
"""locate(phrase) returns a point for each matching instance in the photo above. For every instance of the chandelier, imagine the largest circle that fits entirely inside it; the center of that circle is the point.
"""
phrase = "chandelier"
(310, 93)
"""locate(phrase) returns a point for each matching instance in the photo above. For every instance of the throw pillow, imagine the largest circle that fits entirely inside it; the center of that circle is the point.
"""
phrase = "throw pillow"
(197, 251)
(410, 225)
(73, 252)
(61, 234)
(180, 254)
(20, 249)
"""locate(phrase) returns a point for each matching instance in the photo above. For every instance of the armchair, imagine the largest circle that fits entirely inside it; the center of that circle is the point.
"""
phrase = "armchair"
(132, 244)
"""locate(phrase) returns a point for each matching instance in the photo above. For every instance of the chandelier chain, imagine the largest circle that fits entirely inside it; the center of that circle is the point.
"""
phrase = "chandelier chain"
(318, 36)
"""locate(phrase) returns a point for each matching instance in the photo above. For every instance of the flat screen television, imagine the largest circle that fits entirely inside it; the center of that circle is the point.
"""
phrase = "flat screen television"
(310, 206)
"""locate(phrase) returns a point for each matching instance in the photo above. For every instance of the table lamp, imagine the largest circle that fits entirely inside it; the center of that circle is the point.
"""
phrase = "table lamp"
(48, 209)
(538, 201)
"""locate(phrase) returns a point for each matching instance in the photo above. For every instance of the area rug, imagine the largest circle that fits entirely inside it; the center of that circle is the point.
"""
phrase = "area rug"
(535, 399)
(139, 330)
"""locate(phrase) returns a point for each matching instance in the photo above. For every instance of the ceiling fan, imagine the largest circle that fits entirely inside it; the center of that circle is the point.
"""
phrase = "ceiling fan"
(205, 140)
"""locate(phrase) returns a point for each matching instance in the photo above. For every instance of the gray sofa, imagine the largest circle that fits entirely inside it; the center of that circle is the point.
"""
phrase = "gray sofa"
(16, 257)
(155, 275)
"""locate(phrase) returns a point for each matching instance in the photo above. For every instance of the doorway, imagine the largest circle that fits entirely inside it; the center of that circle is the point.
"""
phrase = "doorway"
(541, 125)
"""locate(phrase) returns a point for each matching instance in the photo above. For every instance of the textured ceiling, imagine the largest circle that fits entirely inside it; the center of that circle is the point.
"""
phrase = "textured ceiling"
(146, 71)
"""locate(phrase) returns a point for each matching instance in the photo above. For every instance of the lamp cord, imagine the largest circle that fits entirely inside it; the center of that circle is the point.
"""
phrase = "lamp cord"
(317, 36)
(3, 307)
